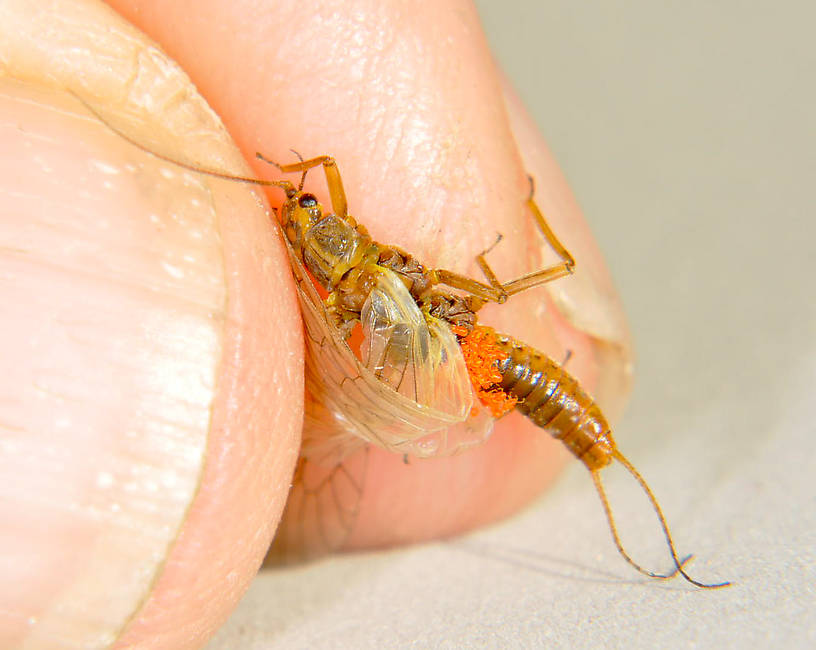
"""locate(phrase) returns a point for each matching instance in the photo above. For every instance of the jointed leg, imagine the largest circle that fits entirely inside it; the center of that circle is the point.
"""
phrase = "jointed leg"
(485, 292)
(559, 270)
(496, 291)
(565, 267)
(333, 180)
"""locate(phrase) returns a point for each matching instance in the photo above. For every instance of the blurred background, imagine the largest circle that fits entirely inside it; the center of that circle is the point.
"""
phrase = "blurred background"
(687, 132)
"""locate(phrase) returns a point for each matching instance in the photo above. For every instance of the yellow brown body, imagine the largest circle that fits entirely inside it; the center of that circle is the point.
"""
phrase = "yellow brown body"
(554, 400)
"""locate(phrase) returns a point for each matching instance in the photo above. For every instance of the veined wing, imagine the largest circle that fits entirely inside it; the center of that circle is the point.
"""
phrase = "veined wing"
(410, 394)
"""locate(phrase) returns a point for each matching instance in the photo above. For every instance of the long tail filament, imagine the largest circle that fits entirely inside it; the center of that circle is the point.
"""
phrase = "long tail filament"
(608, 510)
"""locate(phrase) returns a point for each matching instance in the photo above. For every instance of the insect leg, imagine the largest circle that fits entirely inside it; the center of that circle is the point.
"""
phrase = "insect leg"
(495, 290)
(333, 180)
(487, 293)
(559, 270)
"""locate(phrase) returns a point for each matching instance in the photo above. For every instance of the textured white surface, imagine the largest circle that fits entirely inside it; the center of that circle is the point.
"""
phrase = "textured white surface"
(688, 135)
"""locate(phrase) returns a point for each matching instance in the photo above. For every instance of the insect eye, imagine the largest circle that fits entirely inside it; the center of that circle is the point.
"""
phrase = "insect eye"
(307, 201)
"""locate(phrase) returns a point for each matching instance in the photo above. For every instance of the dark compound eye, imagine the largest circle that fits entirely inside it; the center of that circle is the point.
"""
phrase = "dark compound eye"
(307, 201)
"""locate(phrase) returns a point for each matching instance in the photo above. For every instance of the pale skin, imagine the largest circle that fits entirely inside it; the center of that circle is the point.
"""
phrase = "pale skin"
(434, 154)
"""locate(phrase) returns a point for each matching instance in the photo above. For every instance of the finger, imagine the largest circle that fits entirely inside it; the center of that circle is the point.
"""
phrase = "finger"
(151, 394)
(410, 104)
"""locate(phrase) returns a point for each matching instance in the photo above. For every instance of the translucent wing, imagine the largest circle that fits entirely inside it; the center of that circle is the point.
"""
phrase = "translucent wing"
(322, 508)
(409, 394)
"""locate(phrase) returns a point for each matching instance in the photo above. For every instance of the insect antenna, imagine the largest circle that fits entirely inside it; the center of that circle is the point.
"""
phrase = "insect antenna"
(286, 186)
(531, 180)
(679, 564)
(269, 161)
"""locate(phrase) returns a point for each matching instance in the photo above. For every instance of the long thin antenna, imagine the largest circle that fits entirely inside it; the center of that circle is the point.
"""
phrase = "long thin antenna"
(679, 564)
(269, 161)
(286, 186)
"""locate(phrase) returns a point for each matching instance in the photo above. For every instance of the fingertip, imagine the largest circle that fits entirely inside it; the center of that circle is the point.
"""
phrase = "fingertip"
(152, 410)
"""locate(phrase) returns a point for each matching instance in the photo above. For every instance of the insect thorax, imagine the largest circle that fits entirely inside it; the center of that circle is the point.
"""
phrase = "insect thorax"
(331, 247)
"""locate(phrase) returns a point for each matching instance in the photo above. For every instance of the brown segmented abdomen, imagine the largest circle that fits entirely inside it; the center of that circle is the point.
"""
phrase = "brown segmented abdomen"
(554, 400)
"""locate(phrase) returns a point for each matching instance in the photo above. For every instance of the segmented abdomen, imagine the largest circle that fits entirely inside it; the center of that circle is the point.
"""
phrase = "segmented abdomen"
(554, 400)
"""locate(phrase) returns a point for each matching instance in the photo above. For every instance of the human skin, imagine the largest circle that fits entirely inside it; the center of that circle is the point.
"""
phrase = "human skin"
(434, 153)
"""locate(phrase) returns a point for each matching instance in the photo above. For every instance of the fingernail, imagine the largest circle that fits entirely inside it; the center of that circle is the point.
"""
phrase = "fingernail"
(113, 307)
